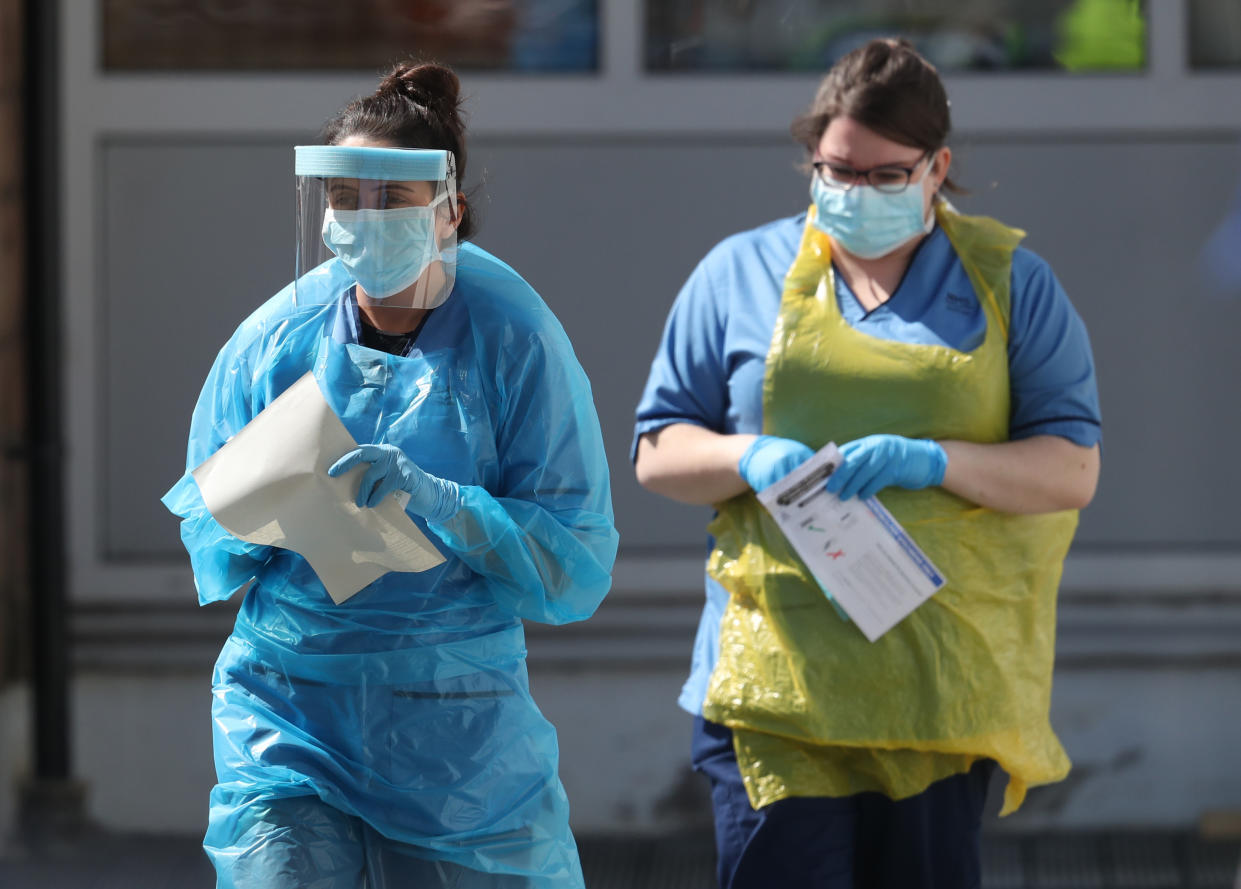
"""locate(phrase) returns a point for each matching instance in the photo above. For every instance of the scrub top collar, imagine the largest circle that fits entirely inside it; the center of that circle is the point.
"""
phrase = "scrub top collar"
(918, 254)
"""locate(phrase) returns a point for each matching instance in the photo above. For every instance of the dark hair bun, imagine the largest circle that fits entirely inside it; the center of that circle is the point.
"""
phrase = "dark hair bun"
(416, 105)
(427, 84)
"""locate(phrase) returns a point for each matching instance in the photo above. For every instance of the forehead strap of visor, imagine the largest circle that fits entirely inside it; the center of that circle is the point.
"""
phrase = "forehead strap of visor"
(364, 162)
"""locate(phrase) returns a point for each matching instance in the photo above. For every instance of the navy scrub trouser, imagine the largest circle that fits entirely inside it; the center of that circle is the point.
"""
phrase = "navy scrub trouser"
(866, 841)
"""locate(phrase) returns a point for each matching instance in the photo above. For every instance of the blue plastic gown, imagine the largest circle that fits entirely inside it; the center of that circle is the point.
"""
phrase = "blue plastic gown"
(392, 739)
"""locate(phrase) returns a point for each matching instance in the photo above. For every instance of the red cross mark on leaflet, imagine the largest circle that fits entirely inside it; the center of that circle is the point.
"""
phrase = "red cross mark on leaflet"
(836, 555)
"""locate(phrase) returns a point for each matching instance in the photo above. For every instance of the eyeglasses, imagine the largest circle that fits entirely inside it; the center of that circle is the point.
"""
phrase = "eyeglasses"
(890, 178)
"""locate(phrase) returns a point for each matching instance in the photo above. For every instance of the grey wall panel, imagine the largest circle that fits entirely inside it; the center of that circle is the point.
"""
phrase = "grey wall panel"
(1122, 222)
(196, 235)
(193, 237)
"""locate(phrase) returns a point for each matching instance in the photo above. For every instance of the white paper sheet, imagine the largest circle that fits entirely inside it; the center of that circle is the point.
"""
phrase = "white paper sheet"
(854, 548)
(269, 485)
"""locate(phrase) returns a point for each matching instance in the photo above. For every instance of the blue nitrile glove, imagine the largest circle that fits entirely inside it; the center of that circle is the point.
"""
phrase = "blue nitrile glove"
(433, 498)
(769, 459)
(876, 462)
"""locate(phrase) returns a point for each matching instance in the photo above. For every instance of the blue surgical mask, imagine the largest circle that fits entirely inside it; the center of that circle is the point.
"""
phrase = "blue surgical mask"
(385, 250)
(867, 222)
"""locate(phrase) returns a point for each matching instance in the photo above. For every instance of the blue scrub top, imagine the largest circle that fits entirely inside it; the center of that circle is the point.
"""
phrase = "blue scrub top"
(711, 361)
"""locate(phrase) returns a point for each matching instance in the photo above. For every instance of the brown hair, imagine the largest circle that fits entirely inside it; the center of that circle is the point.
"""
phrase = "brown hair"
(416, 105)
(886, 86)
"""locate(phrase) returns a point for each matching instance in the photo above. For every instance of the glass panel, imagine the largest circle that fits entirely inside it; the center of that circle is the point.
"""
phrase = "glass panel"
(956, 35)
(511, 35)
(1214, 33)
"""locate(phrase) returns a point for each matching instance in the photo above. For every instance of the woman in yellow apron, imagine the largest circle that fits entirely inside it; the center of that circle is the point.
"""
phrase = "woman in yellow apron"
(951, 368)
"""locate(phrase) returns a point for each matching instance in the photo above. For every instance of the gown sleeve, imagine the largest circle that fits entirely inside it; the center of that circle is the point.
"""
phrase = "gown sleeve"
(222, 563)
(544, 541)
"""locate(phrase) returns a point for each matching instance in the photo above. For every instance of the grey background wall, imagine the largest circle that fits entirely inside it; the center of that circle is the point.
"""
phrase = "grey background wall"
(177, 219)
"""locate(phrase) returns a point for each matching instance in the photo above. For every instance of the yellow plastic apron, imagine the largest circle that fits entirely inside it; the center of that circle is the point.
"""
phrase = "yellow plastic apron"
(816, 710)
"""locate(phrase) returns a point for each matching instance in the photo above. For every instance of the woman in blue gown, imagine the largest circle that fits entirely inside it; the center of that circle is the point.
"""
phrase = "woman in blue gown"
(391, 739)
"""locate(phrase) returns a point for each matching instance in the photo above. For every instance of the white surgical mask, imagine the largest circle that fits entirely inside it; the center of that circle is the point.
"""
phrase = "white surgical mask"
(385, 250)
(867, 222)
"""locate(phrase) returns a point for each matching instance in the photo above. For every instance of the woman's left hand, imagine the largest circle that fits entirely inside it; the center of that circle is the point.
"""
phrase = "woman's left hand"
(876, 462)
(431, 497)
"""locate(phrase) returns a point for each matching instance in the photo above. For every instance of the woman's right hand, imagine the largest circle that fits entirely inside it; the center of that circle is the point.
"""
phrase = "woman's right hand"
(769, 459)
(389, 470)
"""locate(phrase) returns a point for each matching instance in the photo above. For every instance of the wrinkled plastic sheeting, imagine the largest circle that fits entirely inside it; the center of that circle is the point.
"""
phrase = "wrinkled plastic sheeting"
(438, 766)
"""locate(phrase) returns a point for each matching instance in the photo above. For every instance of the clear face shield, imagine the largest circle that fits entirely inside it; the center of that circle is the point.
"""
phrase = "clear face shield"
(384, 219)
